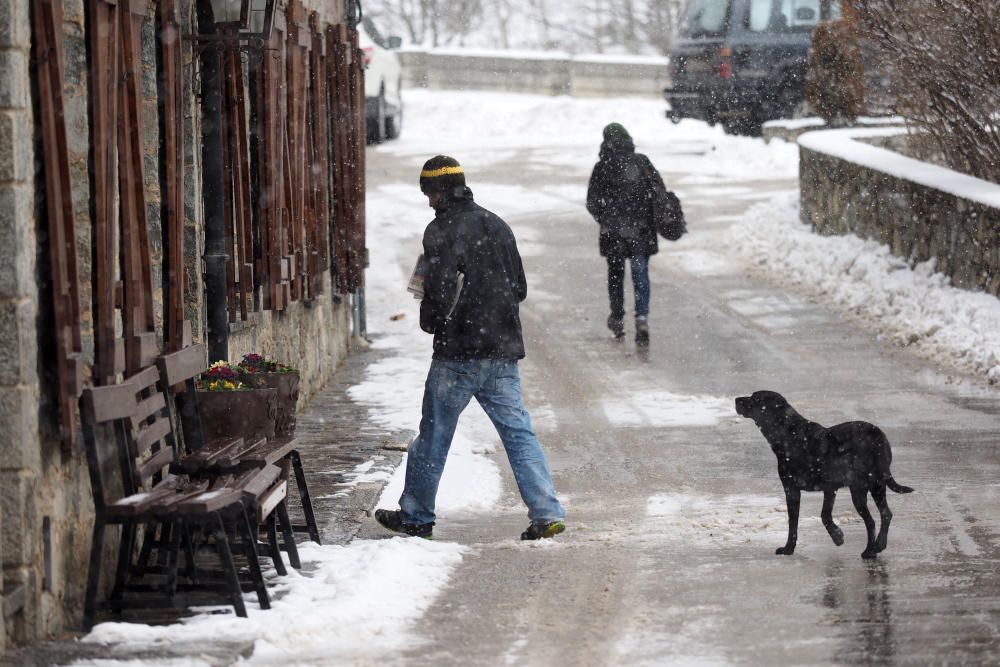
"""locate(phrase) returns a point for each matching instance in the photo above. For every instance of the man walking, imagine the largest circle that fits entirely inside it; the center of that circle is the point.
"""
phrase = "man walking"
(473, 284)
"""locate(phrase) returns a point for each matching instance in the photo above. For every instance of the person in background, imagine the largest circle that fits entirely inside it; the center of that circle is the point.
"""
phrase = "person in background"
(618, 197)
(473, 283)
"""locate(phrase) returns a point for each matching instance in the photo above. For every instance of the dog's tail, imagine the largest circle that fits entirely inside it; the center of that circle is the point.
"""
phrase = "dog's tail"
(896, 486)
(884, 454)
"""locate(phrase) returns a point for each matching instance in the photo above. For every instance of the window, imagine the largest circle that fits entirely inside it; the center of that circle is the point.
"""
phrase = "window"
(373, 32)
(705, 17)
(783, 15)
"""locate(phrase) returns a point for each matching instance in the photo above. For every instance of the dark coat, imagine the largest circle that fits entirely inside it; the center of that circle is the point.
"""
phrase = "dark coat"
(619, 199)
(484, 322)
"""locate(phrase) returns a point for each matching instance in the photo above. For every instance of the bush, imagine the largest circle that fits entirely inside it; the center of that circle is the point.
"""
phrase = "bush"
(943, 57)
(835, 85)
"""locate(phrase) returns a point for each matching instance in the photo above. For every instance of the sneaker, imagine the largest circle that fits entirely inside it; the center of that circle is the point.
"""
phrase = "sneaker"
(641, 330)
(537, 531)
(393, 520)
(617, 326)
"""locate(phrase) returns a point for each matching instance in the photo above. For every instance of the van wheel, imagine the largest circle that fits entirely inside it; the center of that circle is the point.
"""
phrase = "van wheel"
(748, 126)
(394, 123)
(376, 121)
(792, 103)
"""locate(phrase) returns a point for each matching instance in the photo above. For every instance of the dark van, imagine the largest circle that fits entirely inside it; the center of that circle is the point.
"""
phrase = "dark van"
(742, 62)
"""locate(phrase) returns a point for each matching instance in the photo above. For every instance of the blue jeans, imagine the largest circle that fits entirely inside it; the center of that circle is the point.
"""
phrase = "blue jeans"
(450, 386)
(616, 285)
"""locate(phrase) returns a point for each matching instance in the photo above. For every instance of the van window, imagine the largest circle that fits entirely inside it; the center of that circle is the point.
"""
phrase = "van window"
(783, 15)
(705, 17)
(373, 32)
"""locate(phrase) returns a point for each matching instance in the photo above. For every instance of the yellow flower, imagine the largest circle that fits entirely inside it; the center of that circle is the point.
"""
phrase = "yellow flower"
(220, 364)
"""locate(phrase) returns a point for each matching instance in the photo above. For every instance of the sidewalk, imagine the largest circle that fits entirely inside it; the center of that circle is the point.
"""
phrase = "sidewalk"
(336, 436)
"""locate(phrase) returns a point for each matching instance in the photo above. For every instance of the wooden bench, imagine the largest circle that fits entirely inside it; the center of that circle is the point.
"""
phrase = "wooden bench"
(127, 424)
(239, 462)
(181, 368)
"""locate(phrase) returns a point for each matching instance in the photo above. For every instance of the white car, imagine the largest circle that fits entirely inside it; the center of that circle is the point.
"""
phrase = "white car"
(383, 83)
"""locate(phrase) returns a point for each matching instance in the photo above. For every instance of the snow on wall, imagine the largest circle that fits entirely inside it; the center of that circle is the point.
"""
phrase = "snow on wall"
(844, 144)
(921, 211)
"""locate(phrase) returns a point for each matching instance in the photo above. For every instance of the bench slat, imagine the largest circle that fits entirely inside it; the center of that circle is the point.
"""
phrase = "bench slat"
(115, 401)
(154, 464)
(211, 500)
(150, 435)
(148, 407)
(184, 364)
(221, 452)
(270, 500)
(257, 485)
(144, 379)
(139, 503)
(271, 451)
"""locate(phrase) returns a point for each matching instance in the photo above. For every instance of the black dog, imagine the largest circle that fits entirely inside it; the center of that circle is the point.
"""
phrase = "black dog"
(814, 458)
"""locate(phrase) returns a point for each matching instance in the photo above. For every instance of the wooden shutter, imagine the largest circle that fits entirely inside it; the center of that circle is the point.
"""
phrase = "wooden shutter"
(48, 54)
(137, 304)
(177, 329)
(268, 140)
(318, 217)
(357, 255)
(103, 39)
(239, 233)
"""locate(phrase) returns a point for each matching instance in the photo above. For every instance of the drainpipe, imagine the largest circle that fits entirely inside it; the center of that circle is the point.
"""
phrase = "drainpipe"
(213, 193)
(360, 314)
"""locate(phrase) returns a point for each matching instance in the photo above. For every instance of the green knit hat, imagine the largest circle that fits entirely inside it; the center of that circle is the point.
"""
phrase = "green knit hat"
(441, 174)
(616, 132)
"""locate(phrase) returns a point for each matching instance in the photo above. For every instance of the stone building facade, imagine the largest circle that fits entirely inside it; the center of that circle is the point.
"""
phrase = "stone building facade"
(293, 305)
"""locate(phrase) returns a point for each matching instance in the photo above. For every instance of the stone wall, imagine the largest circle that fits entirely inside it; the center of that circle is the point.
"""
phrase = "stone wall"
(556, 75)
(19, 382)
(919, 210)
(46, 509)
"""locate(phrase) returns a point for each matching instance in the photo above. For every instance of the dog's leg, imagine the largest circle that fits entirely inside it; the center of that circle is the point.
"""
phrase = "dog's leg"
(827, 515)
(792, 497)
(859, 495)
(886, 515)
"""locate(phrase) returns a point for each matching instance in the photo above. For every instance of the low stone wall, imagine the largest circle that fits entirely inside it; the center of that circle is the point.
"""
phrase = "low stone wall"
(921, 211)
(552, 74)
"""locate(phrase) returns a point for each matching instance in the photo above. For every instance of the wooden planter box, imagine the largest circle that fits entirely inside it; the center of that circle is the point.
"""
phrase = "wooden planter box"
(287, 386)
(250, 413)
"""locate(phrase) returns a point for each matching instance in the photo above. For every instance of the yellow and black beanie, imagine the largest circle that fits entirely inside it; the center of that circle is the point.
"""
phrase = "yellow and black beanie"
(441, 174)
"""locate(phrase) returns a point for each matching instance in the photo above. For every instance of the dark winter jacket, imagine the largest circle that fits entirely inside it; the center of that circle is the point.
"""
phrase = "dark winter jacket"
(619, 199)
(483, 323)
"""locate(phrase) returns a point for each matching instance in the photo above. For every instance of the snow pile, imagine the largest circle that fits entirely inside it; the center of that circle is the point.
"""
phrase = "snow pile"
(348, 602)
(912, 306)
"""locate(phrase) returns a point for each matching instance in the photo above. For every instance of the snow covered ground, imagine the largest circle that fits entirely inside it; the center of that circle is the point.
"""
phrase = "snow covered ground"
(353, 604)
(912, 306)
